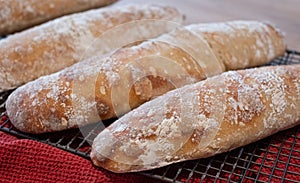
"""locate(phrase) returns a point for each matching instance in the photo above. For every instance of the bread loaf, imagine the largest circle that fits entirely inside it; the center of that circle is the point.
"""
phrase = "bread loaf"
(19, 15)
(203, 119)
(105, 87)
(62, 42)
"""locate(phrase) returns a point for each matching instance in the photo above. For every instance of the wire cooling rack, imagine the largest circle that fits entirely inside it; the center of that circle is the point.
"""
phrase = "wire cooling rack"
(273, 159)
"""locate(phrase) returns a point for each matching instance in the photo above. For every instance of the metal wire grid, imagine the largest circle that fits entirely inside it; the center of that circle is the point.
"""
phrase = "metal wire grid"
(252, 163)
(269, 160)
(70, 140)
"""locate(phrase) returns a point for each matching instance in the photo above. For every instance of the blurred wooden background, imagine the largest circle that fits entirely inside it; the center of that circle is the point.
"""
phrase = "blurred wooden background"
(283, 13)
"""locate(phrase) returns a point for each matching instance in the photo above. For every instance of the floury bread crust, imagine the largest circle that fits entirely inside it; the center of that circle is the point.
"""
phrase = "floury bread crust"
(101, 88)
(203, 119)
(57, 44)
(19, 15)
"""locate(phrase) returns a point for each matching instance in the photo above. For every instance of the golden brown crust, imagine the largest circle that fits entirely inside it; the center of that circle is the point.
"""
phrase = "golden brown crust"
(251, 105)
(252, 52)
(16, 16)
(57, 44)
(102, 88)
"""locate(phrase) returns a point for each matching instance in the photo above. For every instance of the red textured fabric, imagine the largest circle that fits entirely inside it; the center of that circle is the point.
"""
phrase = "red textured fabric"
(25, 160)
(279, 161)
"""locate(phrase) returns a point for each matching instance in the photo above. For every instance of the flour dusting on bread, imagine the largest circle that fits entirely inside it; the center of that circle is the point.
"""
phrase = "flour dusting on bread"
(255, 103)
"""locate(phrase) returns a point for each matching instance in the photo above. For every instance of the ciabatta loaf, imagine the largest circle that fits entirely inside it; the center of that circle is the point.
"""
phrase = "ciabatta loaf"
(102, 88)
(19, 15)
(203, 119)
(62, 42)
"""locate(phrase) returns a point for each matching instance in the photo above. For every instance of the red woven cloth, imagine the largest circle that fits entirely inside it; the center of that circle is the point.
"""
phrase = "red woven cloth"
(25, 160)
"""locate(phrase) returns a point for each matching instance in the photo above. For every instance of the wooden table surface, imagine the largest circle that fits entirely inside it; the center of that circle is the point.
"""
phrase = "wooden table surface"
(283, 13)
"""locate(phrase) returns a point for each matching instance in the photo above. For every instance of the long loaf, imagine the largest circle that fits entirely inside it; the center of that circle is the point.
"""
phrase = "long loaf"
(203, 119)
(103, 88)
(62, 42)
(19, 15)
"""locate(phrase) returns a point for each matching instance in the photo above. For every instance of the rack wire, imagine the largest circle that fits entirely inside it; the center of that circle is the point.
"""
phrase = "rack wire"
(273, 159)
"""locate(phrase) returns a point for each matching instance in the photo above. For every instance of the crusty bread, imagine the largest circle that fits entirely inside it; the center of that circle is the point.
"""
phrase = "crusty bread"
(102, 88)
(62, 42)
(19, 15)
(203, 119)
